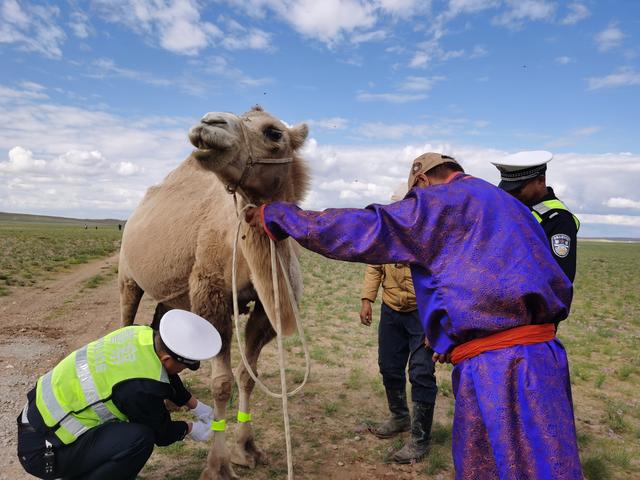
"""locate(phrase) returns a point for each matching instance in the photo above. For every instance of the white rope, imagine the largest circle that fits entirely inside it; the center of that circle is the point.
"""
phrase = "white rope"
(281, 360)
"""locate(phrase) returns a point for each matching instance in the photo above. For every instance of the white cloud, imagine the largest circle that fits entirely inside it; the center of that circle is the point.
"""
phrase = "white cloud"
(421, 84)
(564, 60)
(90, 159)
(479, 51)
(127, 168)
(389, 97)
(106, 67)
(617, 220)
(21, 160)
(520, 11)
(335, 21)
(218, 65)
(333, 123)
(618, 202)
(624, 77)
(32, 28)
(384, 131)
(609, 38)
(574, 136)
(178, 26)
(458, 7)
(372, 36)
(577, 13)
(79, 25)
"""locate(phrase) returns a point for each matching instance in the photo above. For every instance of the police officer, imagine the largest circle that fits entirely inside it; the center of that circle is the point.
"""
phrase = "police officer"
(99, 412)
(523, 176)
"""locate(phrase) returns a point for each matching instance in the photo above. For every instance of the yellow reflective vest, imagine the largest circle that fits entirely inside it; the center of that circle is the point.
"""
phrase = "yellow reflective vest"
(76, 395)
(541, 209)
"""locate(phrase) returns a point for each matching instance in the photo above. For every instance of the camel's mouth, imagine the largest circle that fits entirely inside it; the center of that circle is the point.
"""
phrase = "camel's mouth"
(210, 138)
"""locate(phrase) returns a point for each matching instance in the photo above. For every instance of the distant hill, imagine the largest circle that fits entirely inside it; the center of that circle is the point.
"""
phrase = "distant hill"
(45, 219)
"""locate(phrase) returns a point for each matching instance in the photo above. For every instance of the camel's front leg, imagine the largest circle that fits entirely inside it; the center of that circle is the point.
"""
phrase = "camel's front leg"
(218, 465)
(258, 333)
(206, 289)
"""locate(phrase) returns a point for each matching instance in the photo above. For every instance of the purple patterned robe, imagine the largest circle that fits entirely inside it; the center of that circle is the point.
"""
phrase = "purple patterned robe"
(480, 264)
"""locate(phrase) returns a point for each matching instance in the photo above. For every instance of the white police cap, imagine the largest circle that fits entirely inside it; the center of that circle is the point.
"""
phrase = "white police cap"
(188, 337)
(520, 167)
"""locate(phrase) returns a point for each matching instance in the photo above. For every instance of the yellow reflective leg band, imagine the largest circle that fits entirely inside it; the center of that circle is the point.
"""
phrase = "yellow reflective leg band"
(244, 417)
(218, 425)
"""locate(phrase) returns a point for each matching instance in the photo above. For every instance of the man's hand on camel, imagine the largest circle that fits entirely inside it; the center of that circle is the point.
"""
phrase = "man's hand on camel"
(252, 217)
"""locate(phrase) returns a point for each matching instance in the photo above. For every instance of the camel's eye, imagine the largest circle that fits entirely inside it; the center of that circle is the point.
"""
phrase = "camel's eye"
(273, 133)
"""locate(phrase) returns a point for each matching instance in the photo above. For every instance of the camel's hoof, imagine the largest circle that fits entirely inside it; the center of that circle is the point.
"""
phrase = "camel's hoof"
(247, 454)
(220, 472)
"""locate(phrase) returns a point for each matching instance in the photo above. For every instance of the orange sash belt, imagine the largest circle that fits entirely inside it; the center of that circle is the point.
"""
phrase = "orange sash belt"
(524, 335)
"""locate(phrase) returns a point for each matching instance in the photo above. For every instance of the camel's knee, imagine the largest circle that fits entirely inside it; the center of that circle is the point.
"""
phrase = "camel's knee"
(222, 386)
(245, 382)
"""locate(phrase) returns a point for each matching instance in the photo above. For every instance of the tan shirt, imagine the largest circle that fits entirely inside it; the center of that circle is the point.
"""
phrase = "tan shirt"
(397, 286)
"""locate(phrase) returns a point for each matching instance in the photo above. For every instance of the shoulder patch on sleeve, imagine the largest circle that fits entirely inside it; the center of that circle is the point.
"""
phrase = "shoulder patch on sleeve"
(561, 244)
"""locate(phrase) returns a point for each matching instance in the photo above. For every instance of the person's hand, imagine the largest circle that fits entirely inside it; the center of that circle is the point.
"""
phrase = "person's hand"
(200, 431)
(441, 357)
(252, 217)
(172, 407)
(203, 412)
(365, 312)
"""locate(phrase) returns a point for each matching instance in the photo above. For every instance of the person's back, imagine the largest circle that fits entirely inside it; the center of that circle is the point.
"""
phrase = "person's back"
(489, 293)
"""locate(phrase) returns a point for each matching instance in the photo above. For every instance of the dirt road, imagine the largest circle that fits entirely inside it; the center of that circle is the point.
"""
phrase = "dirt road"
(38, 326)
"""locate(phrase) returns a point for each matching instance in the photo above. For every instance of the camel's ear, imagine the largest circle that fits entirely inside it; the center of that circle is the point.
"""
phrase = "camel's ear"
(298, 135)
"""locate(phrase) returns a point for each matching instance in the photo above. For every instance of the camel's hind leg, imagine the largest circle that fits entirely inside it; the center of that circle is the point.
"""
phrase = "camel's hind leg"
(130, 296)
(258, 333)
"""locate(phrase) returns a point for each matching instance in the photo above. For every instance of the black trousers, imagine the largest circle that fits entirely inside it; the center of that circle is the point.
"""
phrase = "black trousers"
(401, 340)
(113, 451)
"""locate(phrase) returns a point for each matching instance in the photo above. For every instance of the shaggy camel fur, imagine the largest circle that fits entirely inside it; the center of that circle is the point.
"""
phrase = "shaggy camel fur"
(177, 247)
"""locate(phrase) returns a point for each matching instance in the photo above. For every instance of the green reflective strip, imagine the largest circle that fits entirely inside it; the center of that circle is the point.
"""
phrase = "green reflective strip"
(244, 417)
(70, 423)
(89, 387)
(575, 219)
(538, 217)
(218, 425)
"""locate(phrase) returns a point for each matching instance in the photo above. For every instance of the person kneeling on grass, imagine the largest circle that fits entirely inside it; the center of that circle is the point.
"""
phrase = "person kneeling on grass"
(99, 412)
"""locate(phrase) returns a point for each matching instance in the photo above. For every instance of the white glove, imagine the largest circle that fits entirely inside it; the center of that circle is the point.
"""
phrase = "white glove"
(203, 412)
(200, 431)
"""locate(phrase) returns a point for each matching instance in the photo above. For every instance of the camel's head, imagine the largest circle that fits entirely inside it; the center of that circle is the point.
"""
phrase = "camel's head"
(254, 154)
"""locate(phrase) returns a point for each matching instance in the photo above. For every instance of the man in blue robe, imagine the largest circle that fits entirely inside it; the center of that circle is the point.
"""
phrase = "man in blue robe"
(488, 292)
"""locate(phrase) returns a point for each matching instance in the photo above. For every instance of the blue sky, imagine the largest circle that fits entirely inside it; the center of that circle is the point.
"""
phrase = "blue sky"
(96, 97)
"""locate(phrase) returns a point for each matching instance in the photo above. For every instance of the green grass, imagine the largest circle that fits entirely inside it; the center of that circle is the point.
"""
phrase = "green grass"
(345, 391)
(33, 251)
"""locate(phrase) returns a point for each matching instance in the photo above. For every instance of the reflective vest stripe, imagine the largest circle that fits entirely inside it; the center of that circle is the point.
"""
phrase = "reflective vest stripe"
(68, 421)
(89, 387)
(548, 205)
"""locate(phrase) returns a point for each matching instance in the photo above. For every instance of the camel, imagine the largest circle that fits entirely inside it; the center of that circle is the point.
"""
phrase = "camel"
(177, 248)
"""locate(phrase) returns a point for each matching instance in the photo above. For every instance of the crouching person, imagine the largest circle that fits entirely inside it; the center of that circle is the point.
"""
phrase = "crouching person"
(100, 411)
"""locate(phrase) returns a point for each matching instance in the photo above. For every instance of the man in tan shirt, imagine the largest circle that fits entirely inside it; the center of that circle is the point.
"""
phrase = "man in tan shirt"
(401, 341)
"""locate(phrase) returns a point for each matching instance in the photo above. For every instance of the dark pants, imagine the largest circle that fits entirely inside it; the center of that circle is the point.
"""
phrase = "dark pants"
(116, 450)
(401, 339)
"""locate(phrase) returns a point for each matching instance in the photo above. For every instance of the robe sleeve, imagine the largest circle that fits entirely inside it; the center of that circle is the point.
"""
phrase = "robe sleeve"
(377, 234)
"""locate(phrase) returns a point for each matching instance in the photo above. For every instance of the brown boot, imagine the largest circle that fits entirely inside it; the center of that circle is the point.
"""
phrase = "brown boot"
(399, 421)
(418, 446)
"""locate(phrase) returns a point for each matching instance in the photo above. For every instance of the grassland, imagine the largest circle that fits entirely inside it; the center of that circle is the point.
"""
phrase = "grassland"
(35, 247)
(345, 394)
